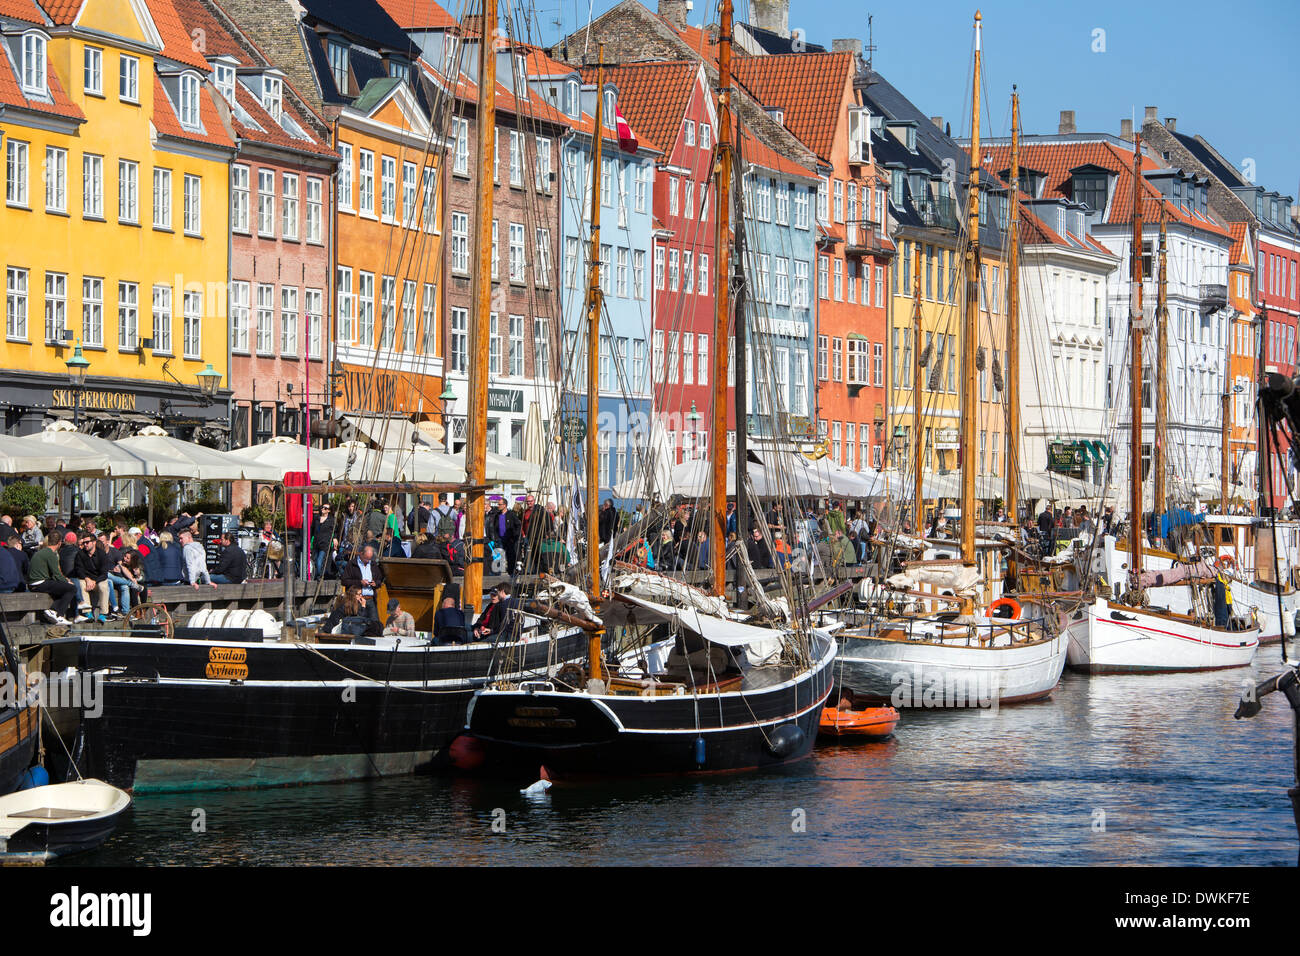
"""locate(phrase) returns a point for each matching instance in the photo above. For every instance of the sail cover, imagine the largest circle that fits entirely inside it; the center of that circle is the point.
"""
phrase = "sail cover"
(716, 630)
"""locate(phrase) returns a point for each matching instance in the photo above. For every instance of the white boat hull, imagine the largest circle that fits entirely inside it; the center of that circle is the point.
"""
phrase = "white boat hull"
(906, 673)
(1105, 638)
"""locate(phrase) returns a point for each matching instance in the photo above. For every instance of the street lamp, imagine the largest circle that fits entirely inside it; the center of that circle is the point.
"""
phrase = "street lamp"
(899, 444)
(209, 381)
(78, 366)
(448, 398)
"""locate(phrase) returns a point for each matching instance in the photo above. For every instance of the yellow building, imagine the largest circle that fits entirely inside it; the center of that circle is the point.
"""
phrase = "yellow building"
(114, 234)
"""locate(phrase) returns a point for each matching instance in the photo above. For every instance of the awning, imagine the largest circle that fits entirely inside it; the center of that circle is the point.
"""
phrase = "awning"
(1089, 453)
(1101, 454)
(857, 335)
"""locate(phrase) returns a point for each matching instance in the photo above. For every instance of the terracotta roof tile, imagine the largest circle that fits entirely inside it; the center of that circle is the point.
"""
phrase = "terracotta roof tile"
(218, 42)
(24, 10)
(271, 132)
(702, 42)
(419, 15)
(165, 121)
(62, 12)
(755, 152)
(1240, 231)
(1056, 160)
(11, 94)
(808, 87)
(653, 98)
(178, 45)
(532, 106)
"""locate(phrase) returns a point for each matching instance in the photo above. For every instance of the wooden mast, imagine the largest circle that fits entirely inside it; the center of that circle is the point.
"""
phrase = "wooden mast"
(1135, 363)
(1010, 387)
(1159, 449)
(476, 447)
(918, 499)
(971, 326)
(595, 304)
(1225, 452)
(722, 315)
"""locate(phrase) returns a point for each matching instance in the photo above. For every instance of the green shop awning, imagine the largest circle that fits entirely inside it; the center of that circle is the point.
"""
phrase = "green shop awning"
(1101, 454)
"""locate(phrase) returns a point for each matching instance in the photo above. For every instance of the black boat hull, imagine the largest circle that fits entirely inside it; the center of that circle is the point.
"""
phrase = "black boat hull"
(194, 715)
(18, 735)
(608, 735)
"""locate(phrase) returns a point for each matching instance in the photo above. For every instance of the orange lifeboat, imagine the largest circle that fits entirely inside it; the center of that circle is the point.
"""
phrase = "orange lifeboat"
(870, 723)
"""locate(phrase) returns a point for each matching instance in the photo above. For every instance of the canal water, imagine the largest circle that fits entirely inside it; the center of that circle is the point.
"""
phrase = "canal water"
(1149, 770)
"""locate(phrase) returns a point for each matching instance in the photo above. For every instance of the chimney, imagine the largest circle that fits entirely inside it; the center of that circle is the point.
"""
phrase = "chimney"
(674, 11)
(1150, 116)
(1126, 130)
(771, 15)
(847, 46)
(937, 121)
(1067, 122)
(1171, 124)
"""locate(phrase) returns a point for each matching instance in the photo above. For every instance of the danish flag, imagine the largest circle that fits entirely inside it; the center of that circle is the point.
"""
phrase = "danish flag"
(626, 138)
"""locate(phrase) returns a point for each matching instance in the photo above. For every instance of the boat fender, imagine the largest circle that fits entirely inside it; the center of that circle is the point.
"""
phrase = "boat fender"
(1288, 625)
(785, 740)
(701, 751)
(1007, 602)
(33, 777)
(466, 753)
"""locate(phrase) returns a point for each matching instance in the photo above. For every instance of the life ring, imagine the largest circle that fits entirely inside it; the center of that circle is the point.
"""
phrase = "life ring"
(1010, 602)
(1226, 561)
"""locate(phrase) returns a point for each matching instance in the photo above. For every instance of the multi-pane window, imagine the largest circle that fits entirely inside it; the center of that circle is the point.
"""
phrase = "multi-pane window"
(782, 204)
(518, 260)
(338, 57)
(288, 320)
(823, 277)
(516, 345)
(92, 312)
(704, 273)
(878, 362)
(16, 303)
(387, 312)
(659, 267)
(289, 205)
(128, 191)
(345, 177)
(823, 361)
(542, 167)
(801, 208)
(764, 198)
(638, 273)
(429, 318)
(823, 200)
(570, 263)
(388, 188)
(162, 319)
(193, 205)
(638, 365)
(189, 90)
(56, 179)
(702, 358)
(839, 280)
(238, 198)
(672, 358)
(366, 178)
(782, 280)
(621, 279)
(459, 242)
(674, 266)
(408, 193)
(366, 309)
(606, 254)
(688, 358)
(191, 324)
(542, 262)
(494, 345)
(92, 185)
(672, 195)
(640, 186)
(346, 306)
(408, 315)
(56, 306)
(516, 158)
(128, 316)
(429, 187)
(800, 284)
(162, 198)
(762, 290)
(92, 70)
(461, 162)
(836, 363)
(265, 319)
(34, 63)
(224, 79)
(657, 357)
(128, 78)
(541, 348)
(239, 311)
(315, 210)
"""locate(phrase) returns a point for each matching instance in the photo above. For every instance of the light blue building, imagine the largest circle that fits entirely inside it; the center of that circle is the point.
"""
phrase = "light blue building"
(780, 233)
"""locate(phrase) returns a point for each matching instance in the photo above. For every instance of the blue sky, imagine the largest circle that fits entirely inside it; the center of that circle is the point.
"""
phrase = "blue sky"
(1229, 71)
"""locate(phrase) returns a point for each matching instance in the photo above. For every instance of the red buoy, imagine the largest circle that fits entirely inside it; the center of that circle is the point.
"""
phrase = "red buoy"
(466, 753)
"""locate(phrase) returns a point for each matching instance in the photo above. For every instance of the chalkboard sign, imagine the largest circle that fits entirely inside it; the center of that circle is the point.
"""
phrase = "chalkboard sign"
(213, 526)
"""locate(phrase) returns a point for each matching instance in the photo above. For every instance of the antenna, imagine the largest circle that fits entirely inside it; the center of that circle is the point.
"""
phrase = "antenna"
(871, 46)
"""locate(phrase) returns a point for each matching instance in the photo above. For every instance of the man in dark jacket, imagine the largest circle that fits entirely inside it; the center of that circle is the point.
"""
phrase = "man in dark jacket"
(759, 554)
(12, 577)
(417, 519)
(322, 538)
(608, 521)
(232, 563)
(1047, 531)
(364, 572)
(92, 571)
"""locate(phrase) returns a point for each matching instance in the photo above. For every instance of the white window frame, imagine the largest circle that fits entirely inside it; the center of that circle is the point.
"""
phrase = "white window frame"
(193, 198)
(16, 172)
(128, 191)
(92, 70)
(162, 198)
(56, 306)
(191, 325)
(128, 316)
(16, 304)
(240, 310)
(161, 312)
(128, 78)
(290, 186)
(56, 179)
(315, 222)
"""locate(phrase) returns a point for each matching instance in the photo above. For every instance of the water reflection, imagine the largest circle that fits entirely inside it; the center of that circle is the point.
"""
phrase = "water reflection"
(1117, 770)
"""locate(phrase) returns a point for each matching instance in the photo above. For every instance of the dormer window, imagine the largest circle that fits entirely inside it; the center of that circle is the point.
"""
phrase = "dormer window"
(609, 109)
(225, 80)
(273, 96)
(189, 101)
(338, 54)
(859, 134)
(1090, 189)
(34, 64)
(399, 70)
(571, 98)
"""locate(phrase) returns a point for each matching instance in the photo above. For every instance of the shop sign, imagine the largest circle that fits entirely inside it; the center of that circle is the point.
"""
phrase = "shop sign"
(112, 401)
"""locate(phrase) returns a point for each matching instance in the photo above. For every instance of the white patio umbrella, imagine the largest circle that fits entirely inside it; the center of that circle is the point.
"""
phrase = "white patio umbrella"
(30, 458)
(119, 462)
(214, 465)
(283, 454)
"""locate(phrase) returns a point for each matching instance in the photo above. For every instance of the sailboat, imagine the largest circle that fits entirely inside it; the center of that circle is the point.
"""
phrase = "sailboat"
(732, 696)
(957, 649)
(1131, 631)
(276, 704)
